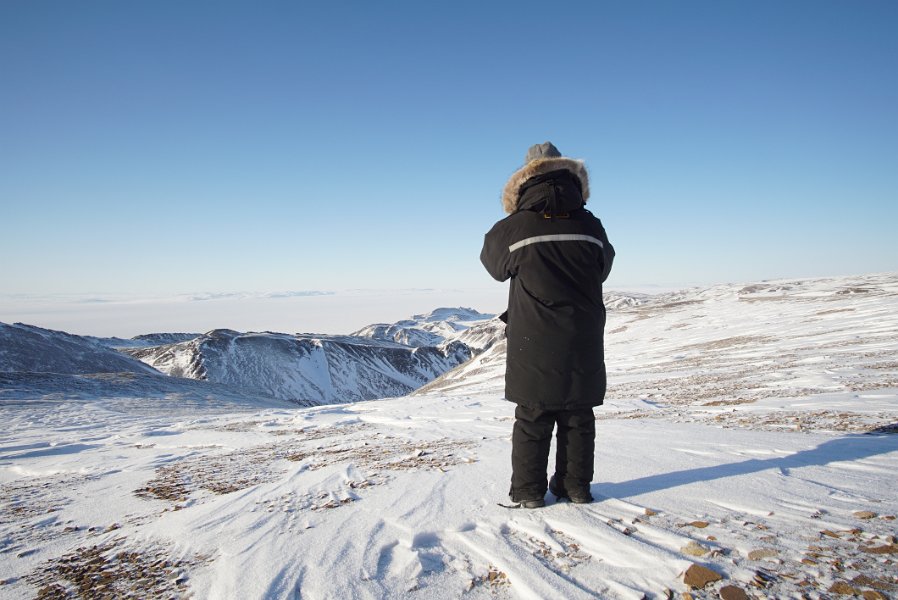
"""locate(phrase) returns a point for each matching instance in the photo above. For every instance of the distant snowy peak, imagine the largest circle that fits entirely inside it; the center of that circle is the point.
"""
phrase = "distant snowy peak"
(429, 329)
(155, 339)
(146, 340)
(26, 348)
(407, 335)
(459, 314)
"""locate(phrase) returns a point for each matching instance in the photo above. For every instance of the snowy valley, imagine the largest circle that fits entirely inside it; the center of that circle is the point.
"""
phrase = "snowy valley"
(746, 449)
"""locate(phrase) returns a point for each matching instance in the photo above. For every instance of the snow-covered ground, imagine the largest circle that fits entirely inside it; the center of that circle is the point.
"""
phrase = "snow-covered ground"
(746, 431)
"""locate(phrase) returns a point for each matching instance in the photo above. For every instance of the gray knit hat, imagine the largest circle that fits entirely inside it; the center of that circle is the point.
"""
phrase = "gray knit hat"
(544, 150)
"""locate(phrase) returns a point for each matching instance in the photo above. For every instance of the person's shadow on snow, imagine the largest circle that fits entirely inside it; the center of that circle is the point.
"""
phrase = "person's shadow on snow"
(848, 448)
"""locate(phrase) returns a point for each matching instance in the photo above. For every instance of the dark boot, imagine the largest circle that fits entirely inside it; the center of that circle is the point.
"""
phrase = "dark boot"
(577, 497)
(527, 503)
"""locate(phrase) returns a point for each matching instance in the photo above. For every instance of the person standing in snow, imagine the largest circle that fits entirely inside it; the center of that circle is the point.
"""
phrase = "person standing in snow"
(557, 256)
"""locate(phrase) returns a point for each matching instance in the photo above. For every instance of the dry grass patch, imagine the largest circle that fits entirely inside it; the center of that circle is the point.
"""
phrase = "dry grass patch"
(730, 342)
(113, 571)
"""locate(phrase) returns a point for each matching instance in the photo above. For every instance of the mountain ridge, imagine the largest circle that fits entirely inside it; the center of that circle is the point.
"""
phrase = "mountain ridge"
(305, 369)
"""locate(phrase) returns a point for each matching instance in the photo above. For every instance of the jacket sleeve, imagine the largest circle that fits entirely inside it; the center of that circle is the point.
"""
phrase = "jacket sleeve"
(607, 253)
(495, 255)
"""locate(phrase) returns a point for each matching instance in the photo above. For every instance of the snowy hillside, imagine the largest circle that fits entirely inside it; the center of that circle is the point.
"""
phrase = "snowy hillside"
(33, 349)
(56, 368)
(721, 354)
(128, 393)
(483, 335)
(746, 450)
(305, 368)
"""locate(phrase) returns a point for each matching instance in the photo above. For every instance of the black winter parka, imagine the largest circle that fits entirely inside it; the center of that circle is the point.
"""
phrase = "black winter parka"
(557, 255)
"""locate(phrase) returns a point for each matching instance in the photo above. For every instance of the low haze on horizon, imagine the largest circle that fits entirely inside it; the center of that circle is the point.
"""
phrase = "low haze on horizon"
(158, 149)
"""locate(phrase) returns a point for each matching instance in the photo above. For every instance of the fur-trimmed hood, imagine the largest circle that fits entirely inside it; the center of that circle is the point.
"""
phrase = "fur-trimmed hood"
(512, 192)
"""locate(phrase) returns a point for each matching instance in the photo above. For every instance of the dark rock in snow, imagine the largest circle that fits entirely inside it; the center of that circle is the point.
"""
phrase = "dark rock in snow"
(732, 592)
(698, 576)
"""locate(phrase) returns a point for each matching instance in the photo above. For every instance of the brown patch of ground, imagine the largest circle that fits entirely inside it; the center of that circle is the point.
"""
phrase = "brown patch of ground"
(111, 570)
(817, 420)
(728, 402)
(390, 454)
(769, 299)
(833, 310)
(730, 342)
(22, 499)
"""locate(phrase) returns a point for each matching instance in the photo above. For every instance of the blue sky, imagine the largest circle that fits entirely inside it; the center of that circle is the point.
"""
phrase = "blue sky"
(172, 147)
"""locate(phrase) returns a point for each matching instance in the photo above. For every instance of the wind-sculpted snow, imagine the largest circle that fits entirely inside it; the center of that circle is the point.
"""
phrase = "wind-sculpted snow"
(27, 348)
(306, 368)
(746, 450)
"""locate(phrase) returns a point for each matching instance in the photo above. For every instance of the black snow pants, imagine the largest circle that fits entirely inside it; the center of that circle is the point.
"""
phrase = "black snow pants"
(530, 442)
